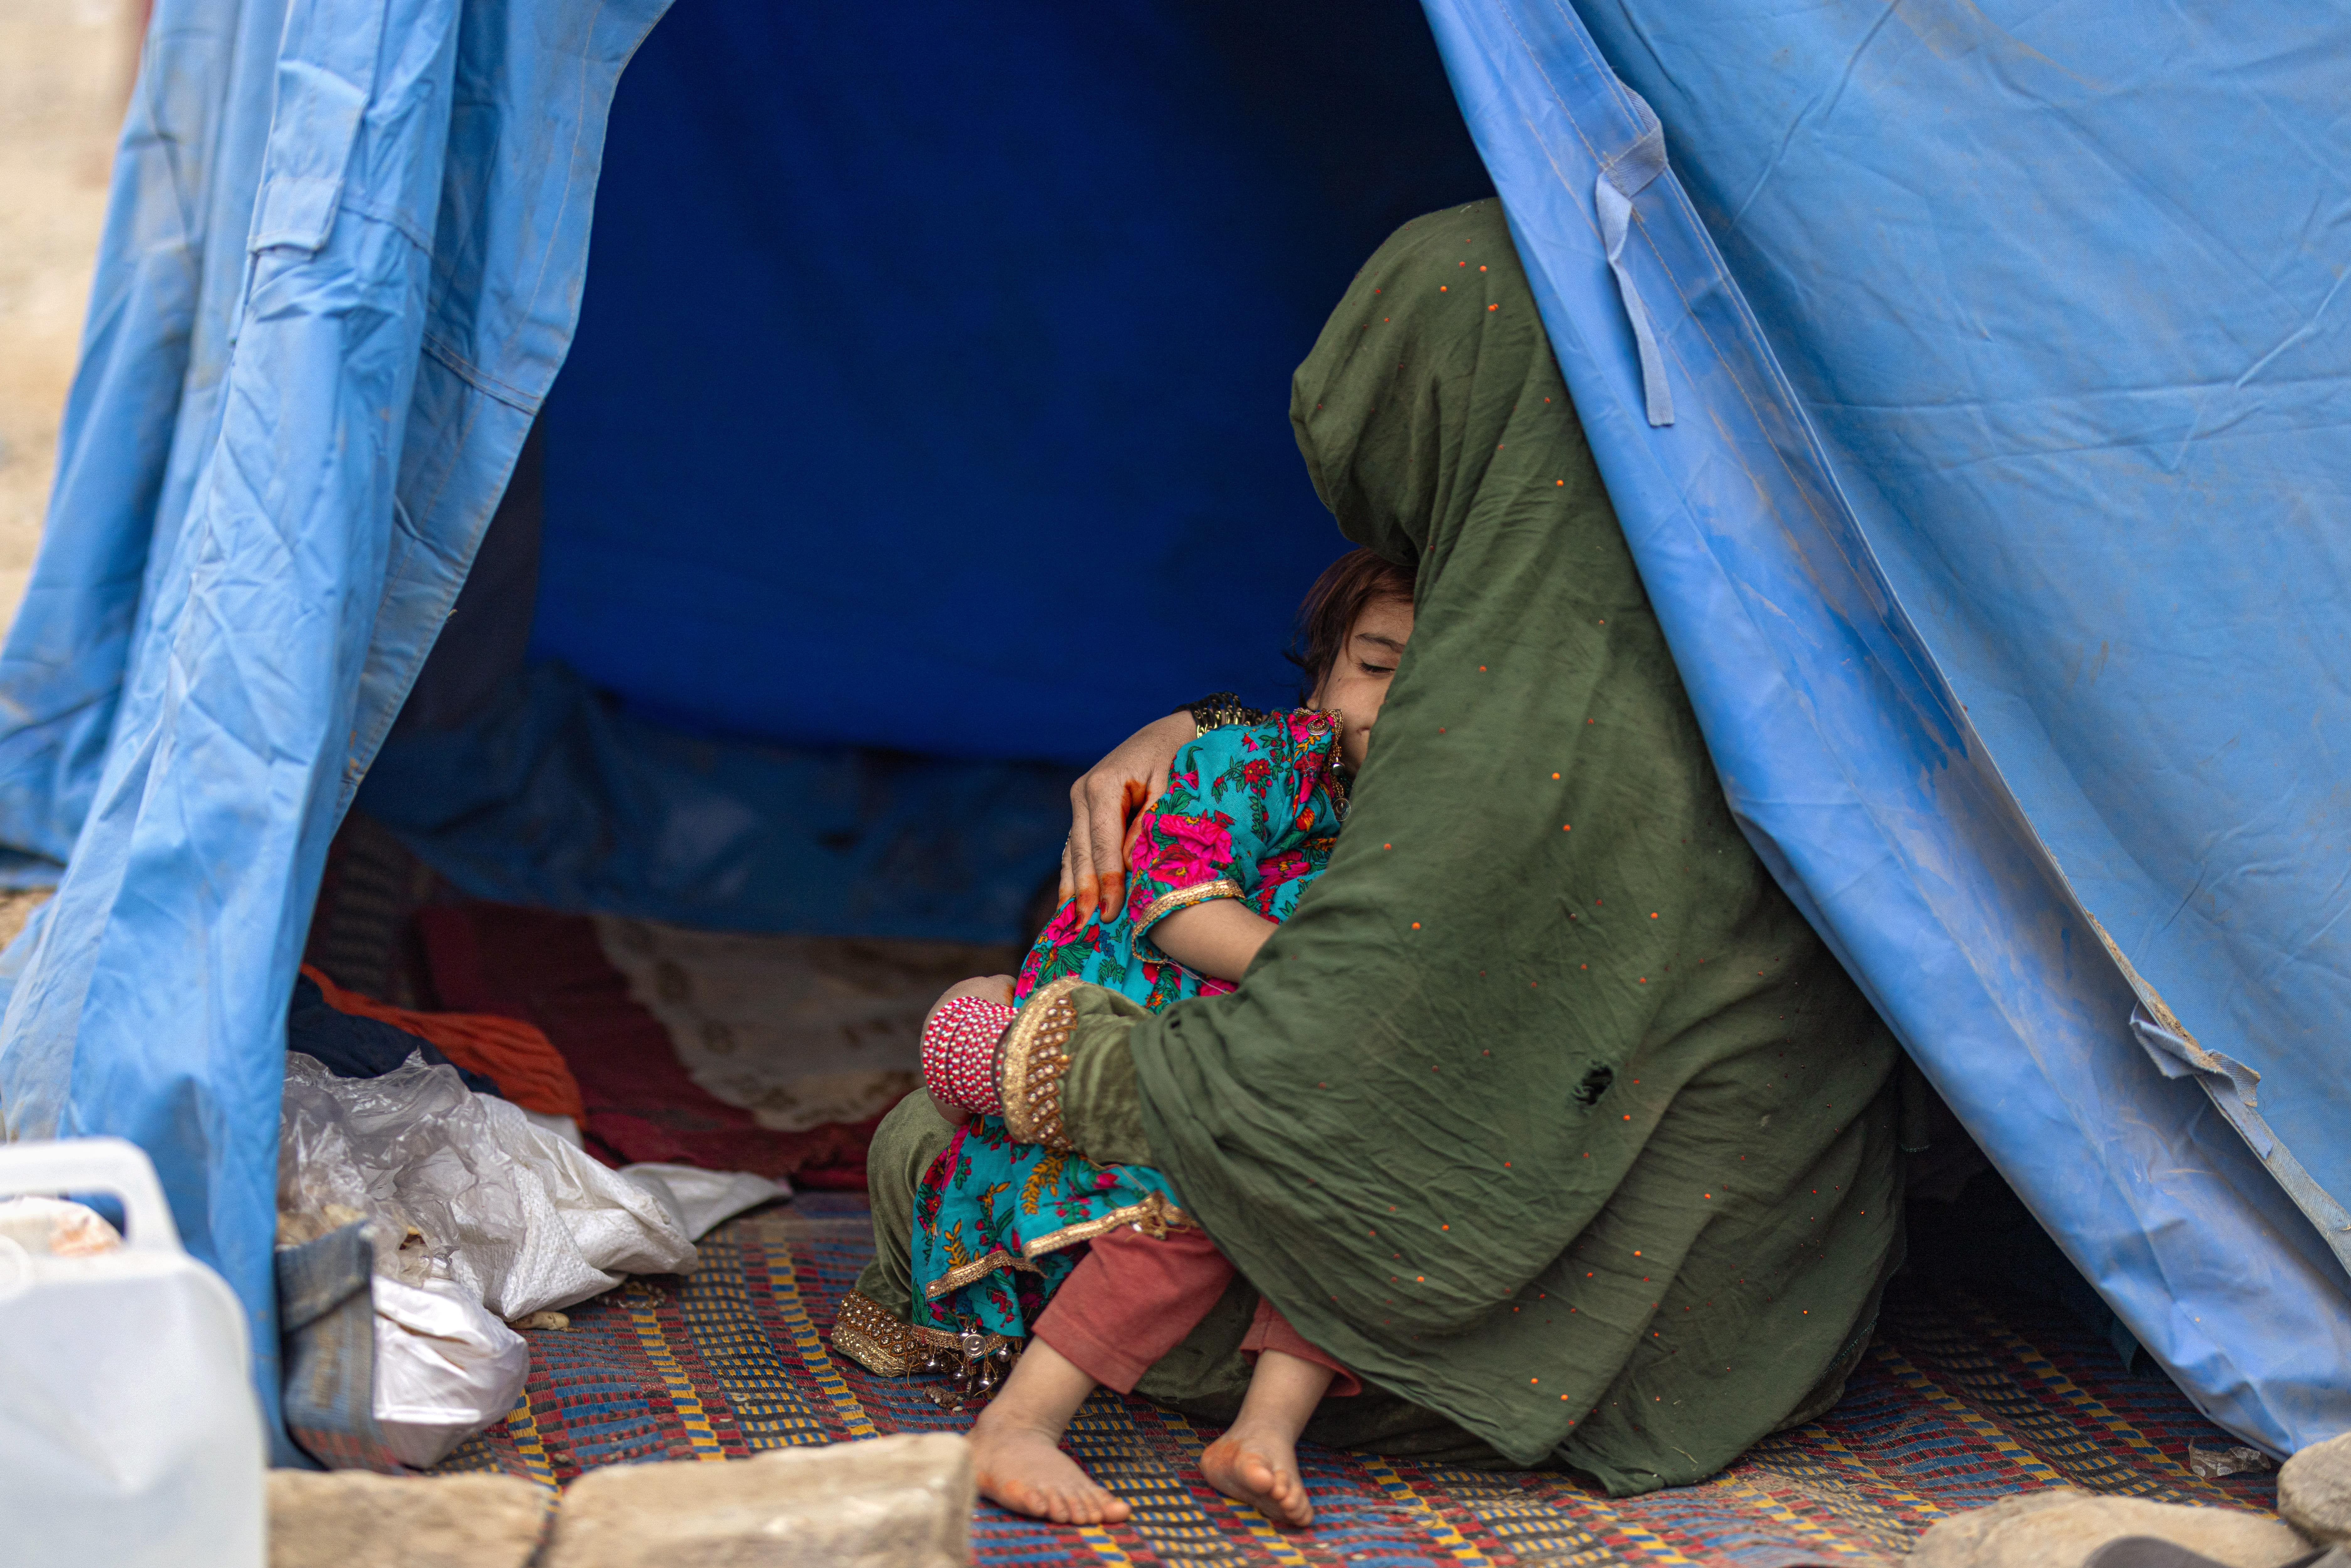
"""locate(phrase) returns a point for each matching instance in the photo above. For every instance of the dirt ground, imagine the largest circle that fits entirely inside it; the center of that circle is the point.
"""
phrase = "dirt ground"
(64, 70)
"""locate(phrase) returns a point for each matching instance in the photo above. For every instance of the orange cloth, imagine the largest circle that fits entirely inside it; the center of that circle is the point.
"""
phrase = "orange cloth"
(527, 1068)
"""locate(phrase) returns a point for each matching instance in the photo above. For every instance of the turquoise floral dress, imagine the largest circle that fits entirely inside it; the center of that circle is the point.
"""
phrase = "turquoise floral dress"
(1250, 813)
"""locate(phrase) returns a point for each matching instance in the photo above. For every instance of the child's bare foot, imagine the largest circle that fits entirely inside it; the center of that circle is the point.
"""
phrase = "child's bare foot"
(1023, 1469)
(1258, 1466)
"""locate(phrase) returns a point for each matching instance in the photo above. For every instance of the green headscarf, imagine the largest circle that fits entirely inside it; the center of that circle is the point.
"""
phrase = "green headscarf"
(1546, 1111)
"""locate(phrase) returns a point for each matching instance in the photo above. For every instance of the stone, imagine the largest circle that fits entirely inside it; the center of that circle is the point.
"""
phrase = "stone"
(2314, 1492)
(2060, 1528)
(2212, 1460)
(356, 1519)
(884, 1502)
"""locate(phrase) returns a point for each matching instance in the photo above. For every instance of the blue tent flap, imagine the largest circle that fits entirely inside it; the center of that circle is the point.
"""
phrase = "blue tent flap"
(340, 269)
(2060, 287)
(1851, 764)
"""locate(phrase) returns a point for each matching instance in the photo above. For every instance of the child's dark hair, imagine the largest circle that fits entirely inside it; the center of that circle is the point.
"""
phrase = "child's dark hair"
(1348, 587)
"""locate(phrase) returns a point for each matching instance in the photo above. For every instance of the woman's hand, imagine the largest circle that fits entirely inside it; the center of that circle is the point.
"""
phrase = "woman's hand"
(1101, 804)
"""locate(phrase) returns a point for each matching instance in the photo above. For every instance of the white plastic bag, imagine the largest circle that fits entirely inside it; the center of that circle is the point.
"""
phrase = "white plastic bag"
(444, 1369)
(700, 1198)
(129, 1433)
(54, 1226)
(464, 1189)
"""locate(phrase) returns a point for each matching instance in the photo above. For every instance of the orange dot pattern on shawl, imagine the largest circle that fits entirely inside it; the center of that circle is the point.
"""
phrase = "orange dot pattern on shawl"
(524, 1063)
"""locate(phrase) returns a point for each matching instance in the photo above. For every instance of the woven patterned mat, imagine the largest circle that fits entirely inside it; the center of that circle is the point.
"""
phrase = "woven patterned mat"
(1957, 1406)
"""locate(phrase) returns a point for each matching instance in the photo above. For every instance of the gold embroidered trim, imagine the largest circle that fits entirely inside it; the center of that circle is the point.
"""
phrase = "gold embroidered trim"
(1334, 768)
(1030, 1061)
(1167, 904)
(1155, 1216)
(963, 1274)
(865, 1331)
(871, 1337)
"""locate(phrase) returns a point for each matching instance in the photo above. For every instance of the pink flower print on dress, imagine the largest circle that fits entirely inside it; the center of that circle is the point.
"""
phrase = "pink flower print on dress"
(1188, 850)
(1313, 733)
(1287, 866)
(1317, 740)
(1059, 933)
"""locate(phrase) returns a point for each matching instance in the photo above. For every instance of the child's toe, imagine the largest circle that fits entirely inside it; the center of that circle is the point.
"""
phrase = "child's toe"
(1290, 1500)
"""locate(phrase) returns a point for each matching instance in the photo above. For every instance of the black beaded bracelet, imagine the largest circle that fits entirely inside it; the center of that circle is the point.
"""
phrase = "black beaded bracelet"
(1218, 710)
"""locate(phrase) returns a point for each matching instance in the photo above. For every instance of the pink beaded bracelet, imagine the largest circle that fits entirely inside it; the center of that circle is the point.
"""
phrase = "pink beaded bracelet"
(959, 1053)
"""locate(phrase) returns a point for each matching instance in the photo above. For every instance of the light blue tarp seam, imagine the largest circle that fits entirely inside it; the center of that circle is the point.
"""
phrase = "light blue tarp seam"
(1624, 176)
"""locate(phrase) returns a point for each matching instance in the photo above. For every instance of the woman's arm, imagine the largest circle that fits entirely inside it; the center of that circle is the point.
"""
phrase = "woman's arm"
(1218, 937)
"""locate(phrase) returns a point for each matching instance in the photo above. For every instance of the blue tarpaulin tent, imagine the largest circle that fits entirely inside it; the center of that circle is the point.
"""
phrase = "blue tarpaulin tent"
(1965, 377)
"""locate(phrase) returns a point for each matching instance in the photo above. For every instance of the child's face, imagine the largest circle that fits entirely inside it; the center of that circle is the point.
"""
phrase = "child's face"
(1358, 681)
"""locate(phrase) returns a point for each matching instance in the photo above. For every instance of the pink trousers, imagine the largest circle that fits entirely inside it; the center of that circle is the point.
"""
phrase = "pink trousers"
(1131, 1300)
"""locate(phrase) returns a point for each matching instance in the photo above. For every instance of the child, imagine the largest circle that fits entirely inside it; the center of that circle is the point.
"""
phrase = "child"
(1249, 818)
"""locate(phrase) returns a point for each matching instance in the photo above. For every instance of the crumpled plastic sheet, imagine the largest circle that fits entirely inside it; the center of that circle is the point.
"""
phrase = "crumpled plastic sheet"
(444, 1369)
(465, 1190)
(476, 1214)
(700, 1199)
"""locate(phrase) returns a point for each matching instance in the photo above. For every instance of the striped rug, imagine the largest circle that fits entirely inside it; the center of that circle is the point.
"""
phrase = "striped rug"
(1958, 1405)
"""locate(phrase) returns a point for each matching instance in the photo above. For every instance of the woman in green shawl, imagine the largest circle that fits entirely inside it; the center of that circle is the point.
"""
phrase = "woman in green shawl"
(1545, 1114)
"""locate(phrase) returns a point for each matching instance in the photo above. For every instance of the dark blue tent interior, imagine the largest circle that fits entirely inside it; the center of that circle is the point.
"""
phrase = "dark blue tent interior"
(924, 433)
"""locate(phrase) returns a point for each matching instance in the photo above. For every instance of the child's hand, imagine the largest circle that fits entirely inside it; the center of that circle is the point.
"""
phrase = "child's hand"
(987, 988)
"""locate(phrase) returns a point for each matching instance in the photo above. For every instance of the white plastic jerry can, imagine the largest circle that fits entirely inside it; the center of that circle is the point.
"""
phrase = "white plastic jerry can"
(129, 1437)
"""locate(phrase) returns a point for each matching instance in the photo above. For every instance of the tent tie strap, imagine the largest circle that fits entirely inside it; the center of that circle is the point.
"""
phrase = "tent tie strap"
(1624, 176)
